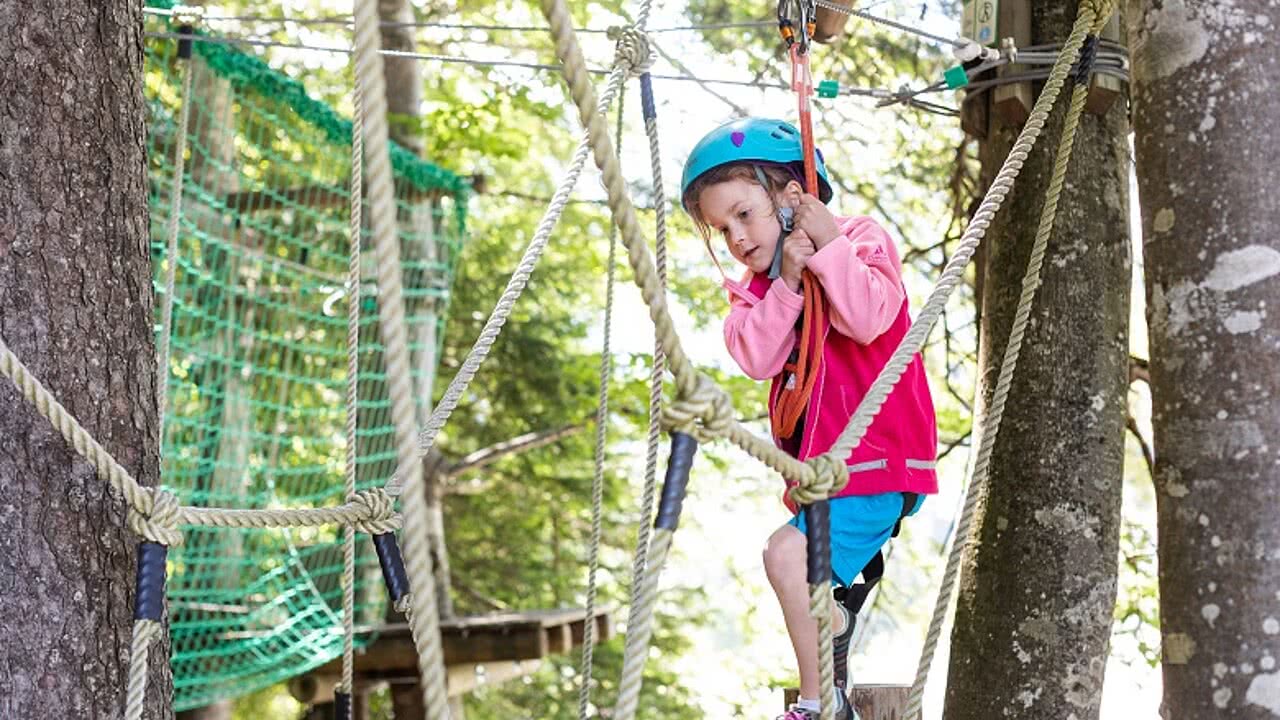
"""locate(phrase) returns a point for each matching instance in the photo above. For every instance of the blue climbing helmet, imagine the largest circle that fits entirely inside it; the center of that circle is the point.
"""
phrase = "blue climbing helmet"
(751, 140)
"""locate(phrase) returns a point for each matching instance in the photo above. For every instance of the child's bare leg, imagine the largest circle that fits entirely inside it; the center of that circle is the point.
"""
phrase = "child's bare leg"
(784, 563)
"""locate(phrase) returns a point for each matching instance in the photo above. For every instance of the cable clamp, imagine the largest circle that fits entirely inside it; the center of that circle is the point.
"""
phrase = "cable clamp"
(189, 15)
(1009, 49)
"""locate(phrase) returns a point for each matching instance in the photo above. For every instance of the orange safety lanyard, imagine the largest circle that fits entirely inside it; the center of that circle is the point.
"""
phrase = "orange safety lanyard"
(794, 396)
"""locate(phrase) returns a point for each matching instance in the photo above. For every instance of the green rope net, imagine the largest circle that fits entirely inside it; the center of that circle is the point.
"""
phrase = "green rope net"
(258, 357)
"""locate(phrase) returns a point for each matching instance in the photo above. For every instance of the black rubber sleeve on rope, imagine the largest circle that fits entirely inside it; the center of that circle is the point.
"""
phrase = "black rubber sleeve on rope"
(149, 602)
(646, 98)
(817, 522)
(341, 706)
(393, 573)
(676, 481)
(184, 43)
(1084, 65)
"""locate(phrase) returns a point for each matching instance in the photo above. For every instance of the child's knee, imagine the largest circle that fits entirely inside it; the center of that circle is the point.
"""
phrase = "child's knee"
(784, 554)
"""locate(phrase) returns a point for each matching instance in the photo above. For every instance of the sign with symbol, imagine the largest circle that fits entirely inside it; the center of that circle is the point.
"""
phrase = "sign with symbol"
(979, 20)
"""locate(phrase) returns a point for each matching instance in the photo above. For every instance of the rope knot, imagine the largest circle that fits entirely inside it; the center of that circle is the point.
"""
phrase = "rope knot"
(1101, 10)
(706, 413)
(376, 512)
(829, 474)
(633, 51)
(158, 521)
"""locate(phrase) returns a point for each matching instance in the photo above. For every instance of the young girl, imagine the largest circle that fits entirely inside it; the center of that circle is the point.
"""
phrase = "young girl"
(742, 182)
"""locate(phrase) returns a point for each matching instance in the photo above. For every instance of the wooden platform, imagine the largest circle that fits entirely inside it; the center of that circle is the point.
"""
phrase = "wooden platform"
(873, 702)
(478, 640)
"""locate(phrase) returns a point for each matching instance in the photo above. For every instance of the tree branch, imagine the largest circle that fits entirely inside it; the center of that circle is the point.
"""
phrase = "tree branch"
(1139, 369)
(480, 597)
(1132, 426)
(514, 446)
(962, 440)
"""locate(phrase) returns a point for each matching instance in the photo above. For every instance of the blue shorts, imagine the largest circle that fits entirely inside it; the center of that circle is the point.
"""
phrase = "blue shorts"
(860, 525)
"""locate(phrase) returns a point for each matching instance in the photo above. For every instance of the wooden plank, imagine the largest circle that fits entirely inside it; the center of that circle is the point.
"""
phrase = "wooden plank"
(604, 629)
(475, 640)
(1105, 89)
(462, 679)
(881, 702)
(873, 702)
(1013, 102)
(559, 639)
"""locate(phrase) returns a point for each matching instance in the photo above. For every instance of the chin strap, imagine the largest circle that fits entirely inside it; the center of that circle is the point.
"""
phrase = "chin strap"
(786, 219)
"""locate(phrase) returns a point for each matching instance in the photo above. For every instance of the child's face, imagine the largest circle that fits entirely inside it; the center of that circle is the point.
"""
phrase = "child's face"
(741, 212)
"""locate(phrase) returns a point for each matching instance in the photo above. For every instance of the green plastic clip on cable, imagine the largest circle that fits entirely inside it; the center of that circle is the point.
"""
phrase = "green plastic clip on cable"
(828, 89)
(956, 77)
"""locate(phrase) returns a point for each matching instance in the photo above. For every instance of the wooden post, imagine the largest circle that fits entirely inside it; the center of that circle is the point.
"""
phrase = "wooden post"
(974, 112)
(830, 23)
(1013, 102)
(1104, 89)
(979, 25)
(873, 702)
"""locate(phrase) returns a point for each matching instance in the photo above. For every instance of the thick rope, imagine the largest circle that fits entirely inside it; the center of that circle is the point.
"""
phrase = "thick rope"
(597, 480)
(425, 621)
(370, 511)
(515, 286)
(353, 395)
(652, 442)
(138, 497)
(640, 628)
(154, 514)
(1091, 19)
(171, 252)
(144, 633)
(820, 608)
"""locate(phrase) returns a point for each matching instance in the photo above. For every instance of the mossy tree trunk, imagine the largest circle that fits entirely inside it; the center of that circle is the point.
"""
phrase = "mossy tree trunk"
(1208, 155)
(76, 307)
(1038, 589)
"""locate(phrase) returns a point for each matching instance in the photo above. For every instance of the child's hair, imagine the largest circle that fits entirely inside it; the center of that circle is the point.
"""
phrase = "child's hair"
(777, 176)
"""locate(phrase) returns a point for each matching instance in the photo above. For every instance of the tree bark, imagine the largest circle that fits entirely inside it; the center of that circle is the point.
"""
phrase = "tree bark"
(1033, 623)
(76, 307)
(403, 76)
(1208, 154)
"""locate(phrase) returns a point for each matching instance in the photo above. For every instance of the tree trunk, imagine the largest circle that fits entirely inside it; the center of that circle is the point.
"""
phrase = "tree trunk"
(403, 76)
(76, 307)
(1208, 153)
(1034, 618)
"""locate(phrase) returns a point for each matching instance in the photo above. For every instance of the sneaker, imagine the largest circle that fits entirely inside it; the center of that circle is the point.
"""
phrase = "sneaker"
(840, 650)
(843, 712)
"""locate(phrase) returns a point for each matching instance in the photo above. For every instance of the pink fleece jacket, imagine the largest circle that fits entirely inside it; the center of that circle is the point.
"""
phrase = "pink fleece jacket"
(861, 278)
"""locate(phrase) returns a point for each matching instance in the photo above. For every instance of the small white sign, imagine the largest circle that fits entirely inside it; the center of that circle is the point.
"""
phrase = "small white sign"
(980, 20)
